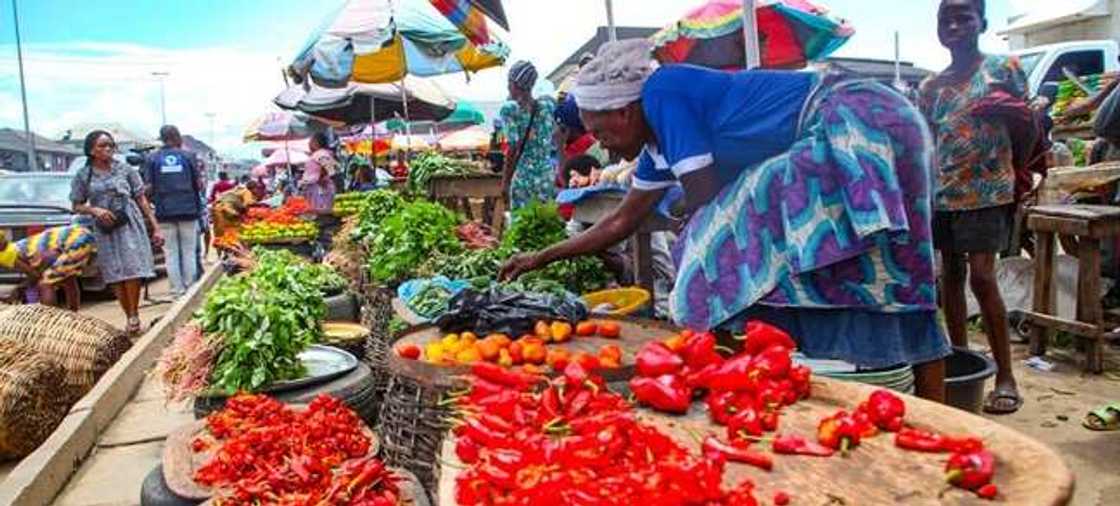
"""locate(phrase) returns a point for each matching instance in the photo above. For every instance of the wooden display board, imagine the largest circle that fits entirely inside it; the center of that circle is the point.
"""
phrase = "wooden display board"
(1027, 471)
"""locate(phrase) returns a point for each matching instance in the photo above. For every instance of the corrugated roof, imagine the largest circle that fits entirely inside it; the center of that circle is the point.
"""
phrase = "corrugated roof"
(16, 140)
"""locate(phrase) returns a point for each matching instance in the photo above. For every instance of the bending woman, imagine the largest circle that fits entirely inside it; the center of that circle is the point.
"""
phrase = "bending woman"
(807, 201)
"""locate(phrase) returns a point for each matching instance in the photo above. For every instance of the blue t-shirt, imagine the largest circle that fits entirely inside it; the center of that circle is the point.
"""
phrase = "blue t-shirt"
(731, 121)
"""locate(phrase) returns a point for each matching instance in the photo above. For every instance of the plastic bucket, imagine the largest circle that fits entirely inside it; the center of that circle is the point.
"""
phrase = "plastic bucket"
(899, 378)
(966, 372)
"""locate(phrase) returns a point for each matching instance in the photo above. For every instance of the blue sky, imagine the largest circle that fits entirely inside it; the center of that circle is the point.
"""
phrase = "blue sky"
(93, 61)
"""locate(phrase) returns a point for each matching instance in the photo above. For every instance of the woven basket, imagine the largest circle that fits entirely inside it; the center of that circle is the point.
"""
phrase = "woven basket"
(85, 347)
(30, 404)
(377, 311)
(412, 428)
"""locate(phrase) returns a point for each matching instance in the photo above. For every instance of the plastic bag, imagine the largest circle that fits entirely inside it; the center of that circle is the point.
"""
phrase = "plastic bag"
(504, 312)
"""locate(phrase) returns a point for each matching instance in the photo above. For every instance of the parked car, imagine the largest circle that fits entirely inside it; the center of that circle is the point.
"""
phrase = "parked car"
(31, 202)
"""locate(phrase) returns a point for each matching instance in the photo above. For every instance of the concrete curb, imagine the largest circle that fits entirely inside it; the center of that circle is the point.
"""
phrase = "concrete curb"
(39, 477)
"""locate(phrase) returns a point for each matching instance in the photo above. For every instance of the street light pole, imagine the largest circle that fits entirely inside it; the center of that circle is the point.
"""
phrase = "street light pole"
(32, 163)
(612, 32)
(162, 100)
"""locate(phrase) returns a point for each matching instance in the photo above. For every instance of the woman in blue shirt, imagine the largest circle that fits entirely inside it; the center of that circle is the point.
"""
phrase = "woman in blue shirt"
(807, 203)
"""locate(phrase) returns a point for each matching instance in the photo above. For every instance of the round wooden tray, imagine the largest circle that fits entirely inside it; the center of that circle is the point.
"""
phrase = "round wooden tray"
(412, 493)
(635, 333)
(180, 462)
(1027, 471)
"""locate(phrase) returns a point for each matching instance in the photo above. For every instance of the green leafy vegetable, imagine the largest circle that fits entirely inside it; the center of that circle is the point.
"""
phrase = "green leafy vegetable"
(431, 164)
(409, 237)
(375, 207)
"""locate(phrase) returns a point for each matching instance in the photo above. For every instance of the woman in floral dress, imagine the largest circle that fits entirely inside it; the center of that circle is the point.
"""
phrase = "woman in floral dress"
(528, 173)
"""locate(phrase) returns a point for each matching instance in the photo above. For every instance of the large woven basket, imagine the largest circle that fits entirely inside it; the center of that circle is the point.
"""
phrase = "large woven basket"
(377, 312)
(413, 423)
(31, 406)
(85, 347)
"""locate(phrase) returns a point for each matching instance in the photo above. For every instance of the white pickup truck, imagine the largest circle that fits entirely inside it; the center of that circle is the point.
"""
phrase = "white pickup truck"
(1052, 62)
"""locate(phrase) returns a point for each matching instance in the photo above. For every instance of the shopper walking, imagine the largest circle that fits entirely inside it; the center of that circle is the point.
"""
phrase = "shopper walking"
(113, 194)
(175, 183)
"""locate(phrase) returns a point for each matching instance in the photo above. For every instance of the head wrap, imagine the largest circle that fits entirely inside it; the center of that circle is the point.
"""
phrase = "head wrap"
(523, 75)
(615, 77)
(567, 114)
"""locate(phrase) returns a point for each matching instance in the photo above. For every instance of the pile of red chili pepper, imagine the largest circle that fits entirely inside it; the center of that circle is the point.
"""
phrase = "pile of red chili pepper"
(570, 441)
(290, 212)
(269, 453)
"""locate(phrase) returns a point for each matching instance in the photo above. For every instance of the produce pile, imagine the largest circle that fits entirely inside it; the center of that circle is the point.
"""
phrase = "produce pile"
(263, 225)
(747, 392)
(348, 204)
(250, 330)
(432, 164)
(532, 228)
(263, 452)
(1069, 92)
(572, 441)
(407, 237)
(531, 352)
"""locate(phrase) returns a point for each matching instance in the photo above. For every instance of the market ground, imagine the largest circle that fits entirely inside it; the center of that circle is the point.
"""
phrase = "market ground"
(1056, 401)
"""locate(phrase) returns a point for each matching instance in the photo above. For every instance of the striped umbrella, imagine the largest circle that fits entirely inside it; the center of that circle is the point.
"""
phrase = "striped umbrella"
(470, 17)
(380, 41)
(791, 33)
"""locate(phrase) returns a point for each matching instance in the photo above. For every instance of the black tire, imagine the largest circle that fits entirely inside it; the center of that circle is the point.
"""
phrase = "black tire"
(342, 308)
(356, 389)
(154, 492)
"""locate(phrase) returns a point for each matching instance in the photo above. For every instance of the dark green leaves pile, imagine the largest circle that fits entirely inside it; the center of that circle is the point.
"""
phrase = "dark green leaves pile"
(538, 226)
(408, 237)
(428, 165)
(375, 207)
(265, 318)
(469, 264)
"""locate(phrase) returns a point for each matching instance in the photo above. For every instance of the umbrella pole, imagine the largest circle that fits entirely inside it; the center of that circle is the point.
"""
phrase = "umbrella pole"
(372, 131)
(407, 119)
(750, 35)
(612, 32)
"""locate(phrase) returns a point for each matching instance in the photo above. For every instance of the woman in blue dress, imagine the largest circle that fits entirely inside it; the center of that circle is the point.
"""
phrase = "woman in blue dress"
(528, 174)
(807, 203)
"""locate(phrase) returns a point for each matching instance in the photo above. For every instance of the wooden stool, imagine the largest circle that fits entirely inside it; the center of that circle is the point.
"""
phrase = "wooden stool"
(1090, 224)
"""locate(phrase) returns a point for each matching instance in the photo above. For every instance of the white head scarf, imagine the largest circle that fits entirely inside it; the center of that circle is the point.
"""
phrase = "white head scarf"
(615, 77)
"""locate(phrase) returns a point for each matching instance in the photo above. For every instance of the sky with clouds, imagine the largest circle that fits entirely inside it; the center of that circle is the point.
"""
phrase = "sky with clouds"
(94, 61)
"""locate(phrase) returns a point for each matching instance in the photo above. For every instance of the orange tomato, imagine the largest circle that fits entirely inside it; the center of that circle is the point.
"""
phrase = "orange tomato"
(610, 330)
(488, 349)
(534, 353)
(558, 358)
(586, 329)
(612, 352)
(502, 339)
(542, 330)
(588, 361)
(609, 363)
(560, 331)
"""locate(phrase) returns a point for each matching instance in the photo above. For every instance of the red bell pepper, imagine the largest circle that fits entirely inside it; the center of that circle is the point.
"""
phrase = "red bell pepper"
(667, 393)
(773, 362)
(715, 449)
(655, 359)
(732, 375)
(918, 440)
(840, 432)
(988, 491)
(885, 410)
(700, 351)
(761, 336)
(721, 406)
(746, 422)
(970, 471)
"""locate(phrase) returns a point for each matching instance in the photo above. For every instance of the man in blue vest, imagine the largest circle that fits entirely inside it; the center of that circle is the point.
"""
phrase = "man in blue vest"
(175, 183)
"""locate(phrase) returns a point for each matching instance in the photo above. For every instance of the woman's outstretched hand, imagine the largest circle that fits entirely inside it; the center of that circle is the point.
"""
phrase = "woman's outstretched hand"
(518, 265)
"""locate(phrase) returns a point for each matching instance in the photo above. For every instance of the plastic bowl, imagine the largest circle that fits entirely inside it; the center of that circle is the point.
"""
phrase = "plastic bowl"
(966, 372)
(626, 301)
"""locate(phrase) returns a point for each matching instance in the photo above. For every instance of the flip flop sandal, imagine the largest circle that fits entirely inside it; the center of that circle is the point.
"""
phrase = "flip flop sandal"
(995, 395)
(1105, 418)
(133, 328)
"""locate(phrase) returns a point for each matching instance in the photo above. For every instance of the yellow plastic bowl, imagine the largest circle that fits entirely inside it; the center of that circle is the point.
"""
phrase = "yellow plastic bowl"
(626, 301)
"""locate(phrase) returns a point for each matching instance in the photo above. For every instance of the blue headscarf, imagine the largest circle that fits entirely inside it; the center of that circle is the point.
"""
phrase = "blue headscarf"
(567, 114)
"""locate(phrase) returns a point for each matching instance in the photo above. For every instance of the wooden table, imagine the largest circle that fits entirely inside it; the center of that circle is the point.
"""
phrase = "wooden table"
(456, 193)
(598, 206)
(1027, 471)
